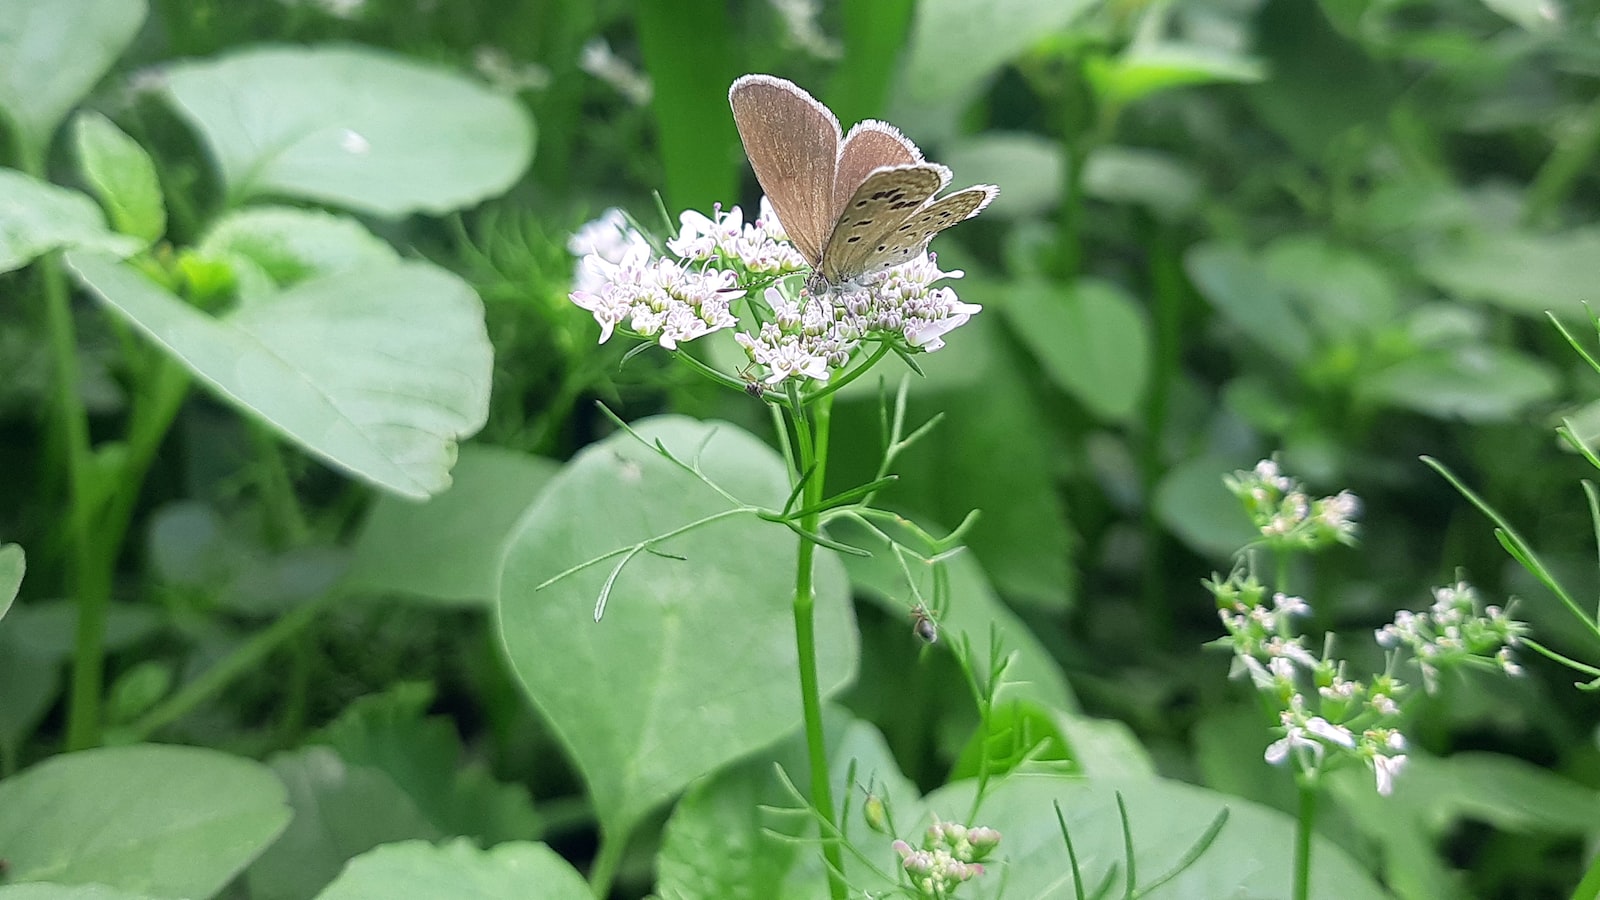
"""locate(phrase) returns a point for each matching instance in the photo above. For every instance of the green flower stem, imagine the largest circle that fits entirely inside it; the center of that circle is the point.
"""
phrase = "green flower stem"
(247, 657)
(1166, 272)
(1302, 836)
(813, 451)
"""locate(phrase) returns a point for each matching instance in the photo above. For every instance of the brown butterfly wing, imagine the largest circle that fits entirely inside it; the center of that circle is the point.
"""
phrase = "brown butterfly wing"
(792, 142)
(905, 238)
(866, 229)
(870, 145)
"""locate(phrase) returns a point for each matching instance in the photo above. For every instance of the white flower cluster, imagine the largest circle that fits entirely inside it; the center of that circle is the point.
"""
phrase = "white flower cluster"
(1457, 630)
(949, 855)
(1287, 516)
(715, 259)
(815, 335)
(1351, 719)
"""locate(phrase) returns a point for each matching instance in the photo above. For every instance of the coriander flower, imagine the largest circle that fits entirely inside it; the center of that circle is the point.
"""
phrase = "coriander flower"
(606, 239)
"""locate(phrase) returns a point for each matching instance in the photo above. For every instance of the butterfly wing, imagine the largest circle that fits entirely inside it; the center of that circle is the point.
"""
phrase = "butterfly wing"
(793, 145)
(870, 145)
(867, 231)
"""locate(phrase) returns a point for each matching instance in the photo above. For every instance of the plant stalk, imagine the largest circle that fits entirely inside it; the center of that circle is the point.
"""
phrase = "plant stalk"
(813, 450)
(1302, 837)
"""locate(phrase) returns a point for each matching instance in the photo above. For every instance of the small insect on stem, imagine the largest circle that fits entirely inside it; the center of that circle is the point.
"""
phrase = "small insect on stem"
(752, 383)
(923, 624)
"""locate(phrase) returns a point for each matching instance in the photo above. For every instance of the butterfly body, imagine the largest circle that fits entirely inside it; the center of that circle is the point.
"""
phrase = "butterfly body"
(853, 205)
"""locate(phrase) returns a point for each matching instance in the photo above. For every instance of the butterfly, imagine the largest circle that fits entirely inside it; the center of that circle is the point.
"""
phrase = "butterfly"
(853, 205)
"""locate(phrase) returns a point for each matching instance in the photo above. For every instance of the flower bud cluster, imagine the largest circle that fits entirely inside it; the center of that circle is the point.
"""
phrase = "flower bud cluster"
(951, 854)
(1287, 516)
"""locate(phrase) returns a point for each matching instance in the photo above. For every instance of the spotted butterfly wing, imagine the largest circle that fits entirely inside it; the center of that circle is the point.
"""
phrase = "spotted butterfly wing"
(911, 237)
(866, 234)
(793, 145)
(869, 146)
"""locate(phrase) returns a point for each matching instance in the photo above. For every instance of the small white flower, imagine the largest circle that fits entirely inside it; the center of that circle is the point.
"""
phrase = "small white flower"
(1333, 734)
(1385, 768)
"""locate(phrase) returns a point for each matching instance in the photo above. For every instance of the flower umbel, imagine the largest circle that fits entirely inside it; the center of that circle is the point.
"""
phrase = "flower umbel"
(715, 260)
(950, 854)
(1287, 516)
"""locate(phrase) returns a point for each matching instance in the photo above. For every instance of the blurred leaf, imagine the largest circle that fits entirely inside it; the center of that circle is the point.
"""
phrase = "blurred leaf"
(975, 610)
(1508, 793)
(1411, 863)
(1252, 301)
(697, 637)
(1530, 15)
(1518, 271)
(1343, 293)
(1250, 856)
(1039, 736)
(352, 126)
(1322, 85)
(955, 44)
(29, 683)
(378, 371)
(45, 891)
(423, 756)
(290, 245)
(1165, 184)
(52, 52)
(1028, 167)
(123, 176)
(1090, 339)
(340, 811)
(136, 690)
(1193, 504)
(175, 821)
(12, 564)
(1476, 382)
(460, 871)
(38, 217)
(447, 549)
(49, 627)
(1148, 68)
(723, 838)
(686, 44)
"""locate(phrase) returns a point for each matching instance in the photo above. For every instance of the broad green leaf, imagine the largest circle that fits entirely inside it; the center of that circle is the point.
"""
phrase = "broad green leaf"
(379, 371)
(1530, 15)
(1509, 793)
(724, 838)
(51, 54)
(423, 755)
(974, 610)
(1343, 293)
(1518, 271)
(1476, 382)
(1148, 68)
(955, 44)
(1403, 840)
(12, 564)
(697, 637)
(43, 891)
(1165, 184)
(29, 682)
(166, 820)
(1236, 284)
(37, 217)
(1029, 166)
(1252, 855)
(447, 550)
(192, 547)
(460, 871)
(353, 126)
(1090, 338)
(290, 244)
(122, 175)
(340, 811)
(1193, 504)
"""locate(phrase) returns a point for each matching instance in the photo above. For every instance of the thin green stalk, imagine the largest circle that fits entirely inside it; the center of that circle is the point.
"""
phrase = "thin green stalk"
(813, 448)
(246, 657)
(604, 871)
(1589, 887)
(1302, 837)
(1572, 156)
(1166, 274)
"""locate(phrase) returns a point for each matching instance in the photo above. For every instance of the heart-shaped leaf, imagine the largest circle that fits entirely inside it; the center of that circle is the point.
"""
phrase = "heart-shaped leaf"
(694, 663)
(166, 820)
(353, 126)
(379, 371)
(123, 176)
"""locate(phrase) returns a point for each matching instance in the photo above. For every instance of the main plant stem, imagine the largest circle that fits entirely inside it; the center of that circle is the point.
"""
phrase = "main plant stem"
(1302, 837)
(812, 445)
